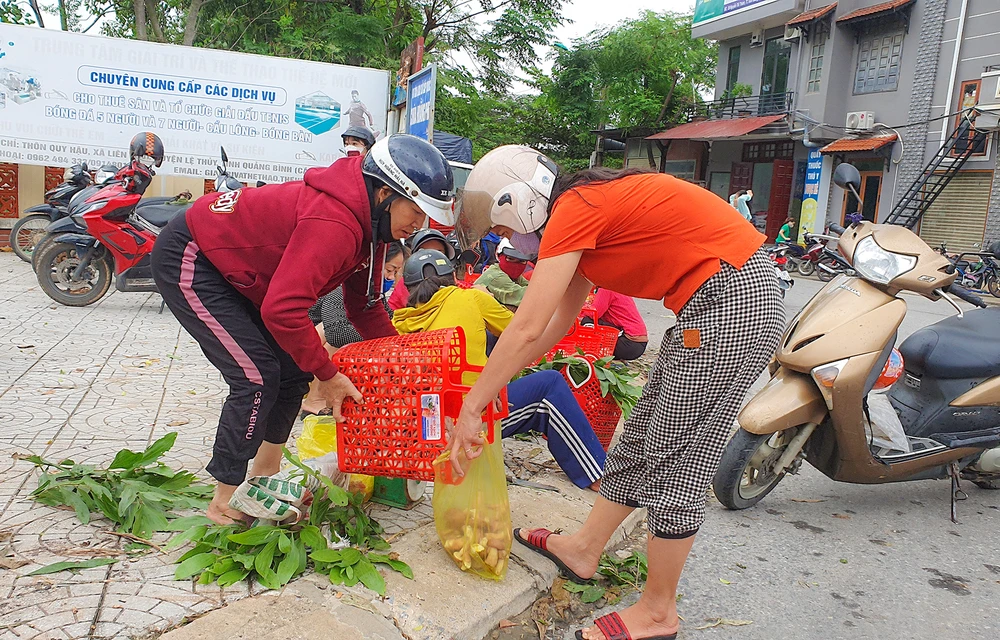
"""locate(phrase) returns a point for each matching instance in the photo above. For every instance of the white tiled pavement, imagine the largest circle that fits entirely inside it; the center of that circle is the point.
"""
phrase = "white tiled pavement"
(82, 383)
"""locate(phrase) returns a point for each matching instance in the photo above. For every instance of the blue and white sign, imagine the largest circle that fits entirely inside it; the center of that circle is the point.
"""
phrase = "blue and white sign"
(810, 193)
(420, 91)
(277, 117)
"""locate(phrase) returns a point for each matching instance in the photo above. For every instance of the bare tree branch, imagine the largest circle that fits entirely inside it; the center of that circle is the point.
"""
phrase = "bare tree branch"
(97, 18)
(191, 24)
(38, 12)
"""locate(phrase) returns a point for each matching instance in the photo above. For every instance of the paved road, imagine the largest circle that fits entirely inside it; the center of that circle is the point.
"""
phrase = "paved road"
(819, 559)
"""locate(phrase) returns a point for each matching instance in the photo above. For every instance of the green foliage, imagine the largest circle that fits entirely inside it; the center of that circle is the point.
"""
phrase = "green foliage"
(12, 12)
(137, 492)
(614, 574)
(275, 554)
(614, 377)
(55, 567)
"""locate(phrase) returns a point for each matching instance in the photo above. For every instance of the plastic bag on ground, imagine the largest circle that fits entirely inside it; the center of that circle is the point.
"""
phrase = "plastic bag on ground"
(472, 517)
(319, 437)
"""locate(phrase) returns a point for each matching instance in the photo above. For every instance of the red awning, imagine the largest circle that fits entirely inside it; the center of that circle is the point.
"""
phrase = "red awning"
(854, 145)
(874, 11)
(812, 14)
(716, 129)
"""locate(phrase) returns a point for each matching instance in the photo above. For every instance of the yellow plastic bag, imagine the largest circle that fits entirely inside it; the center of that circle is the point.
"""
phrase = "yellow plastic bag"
(473, 517)
(319, 437)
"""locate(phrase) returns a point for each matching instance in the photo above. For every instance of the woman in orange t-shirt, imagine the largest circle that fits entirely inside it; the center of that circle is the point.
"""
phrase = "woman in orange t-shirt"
(645, 235)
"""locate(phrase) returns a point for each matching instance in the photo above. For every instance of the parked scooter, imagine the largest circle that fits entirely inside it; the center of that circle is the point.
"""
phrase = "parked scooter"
(815, 243)
(941, 415)
(118, 233)
(29, 229)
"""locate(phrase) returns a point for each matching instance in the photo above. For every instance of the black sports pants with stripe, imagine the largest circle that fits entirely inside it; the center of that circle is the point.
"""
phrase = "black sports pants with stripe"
(265, 385)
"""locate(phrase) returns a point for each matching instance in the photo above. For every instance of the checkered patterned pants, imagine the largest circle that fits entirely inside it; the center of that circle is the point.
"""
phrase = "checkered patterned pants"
(671, 445)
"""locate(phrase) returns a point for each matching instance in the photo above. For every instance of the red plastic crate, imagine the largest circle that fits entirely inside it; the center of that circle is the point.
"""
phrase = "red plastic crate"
(400, 378)
(596, 340)
(602, 411)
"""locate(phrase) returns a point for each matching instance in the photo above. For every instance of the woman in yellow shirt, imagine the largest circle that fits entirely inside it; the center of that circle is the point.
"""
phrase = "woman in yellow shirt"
(540, 402)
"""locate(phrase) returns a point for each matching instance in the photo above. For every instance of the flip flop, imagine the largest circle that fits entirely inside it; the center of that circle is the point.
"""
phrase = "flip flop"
(536, 542)
(613, 628)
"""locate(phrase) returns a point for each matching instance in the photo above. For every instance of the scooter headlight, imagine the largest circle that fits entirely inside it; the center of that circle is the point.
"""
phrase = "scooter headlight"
(825, 376)
(874, 263)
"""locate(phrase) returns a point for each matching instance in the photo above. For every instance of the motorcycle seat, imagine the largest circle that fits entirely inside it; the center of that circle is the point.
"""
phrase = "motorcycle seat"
(160, 214)
(956, 347)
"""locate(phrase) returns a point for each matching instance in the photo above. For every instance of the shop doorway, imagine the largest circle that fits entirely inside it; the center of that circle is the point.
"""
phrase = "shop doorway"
(871, 189)
(780, 196)
(718, 183)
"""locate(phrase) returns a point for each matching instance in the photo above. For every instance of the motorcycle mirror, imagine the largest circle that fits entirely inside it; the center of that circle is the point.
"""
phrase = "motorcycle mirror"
(846, 176)
(221, 171)
(225, 158)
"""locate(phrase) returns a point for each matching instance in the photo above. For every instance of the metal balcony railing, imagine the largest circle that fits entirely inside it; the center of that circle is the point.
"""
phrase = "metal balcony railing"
(728, 108)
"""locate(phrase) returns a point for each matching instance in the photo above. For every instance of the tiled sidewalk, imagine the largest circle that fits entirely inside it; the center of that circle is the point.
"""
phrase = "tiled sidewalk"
(82, 383)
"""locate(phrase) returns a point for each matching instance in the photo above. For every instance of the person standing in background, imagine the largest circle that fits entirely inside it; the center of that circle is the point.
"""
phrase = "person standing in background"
(740, 201)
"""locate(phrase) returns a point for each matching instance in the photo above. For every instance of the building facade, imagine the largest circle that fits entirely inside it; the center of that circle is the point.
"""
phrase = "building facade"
(803, 85)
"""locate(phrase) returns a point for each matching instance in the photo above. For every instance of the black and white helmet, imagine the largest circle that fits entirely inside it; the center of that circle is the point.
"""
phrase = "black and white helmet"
(416, 170)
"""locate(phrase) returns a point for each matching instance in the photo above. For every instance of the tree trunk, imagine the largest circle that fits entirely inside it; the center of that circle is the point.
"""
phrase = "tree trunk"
(191, 24)
(63, 17)
(139, 8)
(670, 94)
(38, 12)
(154, 21)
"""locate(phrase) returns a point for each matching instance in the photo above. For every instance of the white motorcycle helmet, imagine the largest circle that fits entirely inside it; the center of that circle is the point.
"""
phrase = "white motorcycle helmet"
(509, 186)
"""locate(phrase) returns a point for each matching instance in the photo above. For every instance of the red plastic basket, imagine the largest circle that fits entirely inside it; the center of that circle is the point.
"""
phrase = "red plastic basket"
(602, 411)
(596, 340)
(410, 384)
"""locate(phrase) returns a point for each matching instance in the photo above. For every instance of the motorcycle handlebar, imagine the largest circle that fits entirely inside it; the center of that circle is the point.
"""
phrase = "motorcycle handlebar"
(968, 296)
(836, 228)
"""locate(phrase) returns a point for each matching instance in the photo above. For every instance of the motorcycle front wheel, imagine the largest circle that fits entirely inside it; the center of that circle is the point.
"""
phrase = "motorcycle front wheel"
(823, 274)
(746, 471)
(806, 267)
(55, 267)
(26, 233)
(993, 284)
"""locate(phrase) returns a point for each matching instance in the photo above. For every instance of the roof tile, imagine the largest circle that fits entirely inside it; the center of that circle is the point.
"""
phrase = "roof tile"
(849, 145)
(812, 14)
(875, 9)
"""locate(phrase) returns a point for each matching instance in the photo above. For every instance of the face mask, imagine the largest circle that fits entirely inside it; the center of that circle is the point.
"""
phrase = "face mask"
(352, 151)
(387, 285)
(526, 243)
(512, 269)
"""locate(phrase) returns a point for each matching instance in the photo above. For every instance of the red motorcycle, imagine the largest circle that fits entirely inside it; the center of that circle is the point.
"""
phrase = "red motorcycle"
(75, 269)
(815, 243)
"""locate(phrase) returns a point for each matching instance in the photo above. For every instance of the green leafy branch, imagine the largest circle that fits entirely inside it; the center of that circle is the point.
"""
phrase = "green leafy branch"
(137, 492)
(616, 573)
(274, 555)
(614, 377)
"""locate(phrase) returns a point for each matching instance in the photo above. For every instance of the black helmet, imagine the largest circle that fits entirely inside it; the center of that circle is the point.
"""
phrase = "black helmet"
(146, 144)
(419, 238)
(416, 170)
(424, 263)
(361, 133)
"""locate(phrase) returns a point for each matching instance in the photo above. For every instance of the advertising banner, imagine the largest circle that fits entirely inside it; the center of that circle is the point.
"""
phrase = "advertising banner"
(420, 103)
(810, 194)
(706, 10)
(68, 98)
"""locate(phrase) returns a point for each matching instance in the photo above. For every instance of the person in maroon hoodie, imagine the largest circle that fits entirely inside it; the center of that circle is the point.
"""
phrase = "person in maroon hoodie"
(240, 270)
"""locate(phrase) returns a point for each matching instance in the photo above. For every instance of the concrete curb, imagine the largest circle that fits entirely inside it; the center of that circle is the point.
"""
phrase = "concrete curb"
(440, 603)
